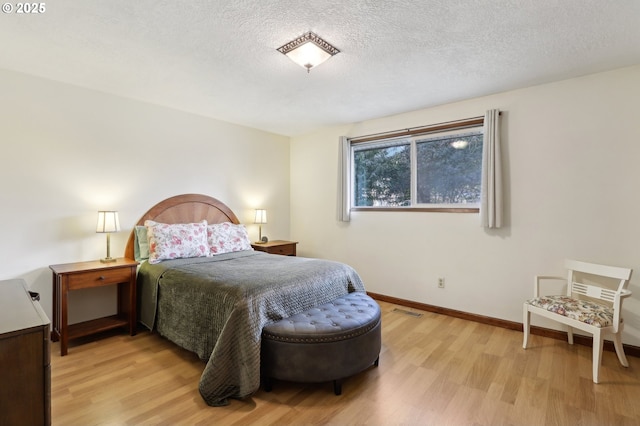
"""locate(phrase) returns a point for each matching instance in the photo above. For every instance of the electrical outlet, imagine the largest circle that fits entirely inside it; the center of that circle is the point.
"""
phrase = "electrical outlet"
(440, 282)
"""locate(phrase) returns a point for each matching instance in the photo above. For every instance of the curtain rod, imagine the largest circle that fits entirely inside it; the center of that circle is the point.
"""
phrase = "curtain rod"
(467, 122)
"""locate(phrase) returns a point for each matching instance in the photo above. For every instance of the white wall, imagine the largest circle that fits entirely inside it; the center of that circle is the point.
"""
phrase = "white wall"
(68, 152)
(572, 161)
(571, 158)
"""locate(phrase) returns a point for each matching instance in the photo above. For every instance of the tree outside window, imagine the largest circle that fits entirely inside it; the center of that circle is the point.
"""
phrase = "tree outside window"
(383, 176)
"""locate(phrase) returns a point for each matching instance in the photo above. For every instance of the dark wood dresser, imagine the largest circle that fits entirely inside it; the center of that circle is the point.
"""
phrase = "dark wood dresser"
(25, 371)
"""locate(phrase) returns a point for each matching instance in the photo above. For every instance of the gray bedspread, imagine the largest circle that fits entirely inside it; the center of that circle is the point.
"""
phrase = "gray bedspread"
(217, 306)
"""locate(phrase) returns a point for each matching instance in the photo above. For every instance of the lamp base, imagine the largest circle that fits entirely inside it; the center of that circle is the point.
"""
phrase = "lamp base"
(263, 240)
(108, 259)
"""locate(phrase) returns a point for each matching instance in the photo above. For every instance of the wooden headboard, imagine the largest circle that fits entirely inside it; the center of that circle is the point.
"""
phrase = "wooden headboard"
(186, 208)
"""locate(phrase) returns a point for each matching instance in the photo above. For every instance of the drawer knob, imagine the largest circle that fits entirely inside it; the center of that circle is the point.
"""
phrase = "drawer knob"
(101, 277)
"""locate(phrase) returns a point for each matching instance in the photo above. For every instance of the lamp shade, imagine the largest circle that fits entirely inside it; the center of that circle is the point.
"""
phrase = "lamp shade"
(108, 222)
(261, 216)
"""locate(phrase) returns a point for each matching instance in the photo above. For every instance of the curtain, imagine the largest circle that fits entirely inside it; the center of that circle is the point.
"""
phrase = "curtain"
(344, 210)
(491, 189)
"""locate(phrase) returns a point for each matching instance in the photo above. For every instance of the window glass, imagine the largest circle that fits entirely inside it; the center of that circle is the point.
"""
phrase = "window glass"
(438, 170)
(448, 169)
(382, 175)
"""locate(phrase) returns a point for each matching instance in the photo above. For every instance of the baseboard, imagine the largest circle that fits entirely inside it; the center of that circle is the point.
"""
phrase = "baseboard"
(511, 325)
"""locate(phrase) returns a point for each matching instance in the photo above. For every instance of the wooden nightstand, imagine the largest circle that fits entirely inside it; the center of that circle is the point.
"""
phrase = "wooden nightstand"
(74, 276)
(286, 248)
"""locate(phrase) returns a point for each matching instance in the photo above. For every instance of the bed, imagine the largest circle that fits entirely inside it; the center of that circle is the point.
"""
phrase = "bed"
(216, 305)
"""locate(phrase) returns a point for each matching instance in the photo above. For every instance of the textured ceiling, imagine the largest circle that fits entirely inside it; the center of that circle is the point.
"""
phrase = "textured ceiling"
(218, 58)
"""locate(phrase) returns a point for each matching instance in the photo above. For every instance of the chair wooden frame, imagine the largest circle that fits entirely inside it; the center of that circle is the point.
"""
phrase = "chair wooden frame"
(578, 289)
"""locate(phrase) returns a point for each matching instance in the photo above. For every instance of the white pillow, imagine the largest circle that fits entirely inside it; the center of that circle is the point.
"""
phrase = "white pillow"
(227, 237)
(173, 241)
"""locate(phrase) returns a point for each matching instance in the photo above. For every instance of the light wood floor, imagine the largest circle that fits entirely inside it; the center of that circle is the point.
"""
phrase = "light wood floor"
(434, 370)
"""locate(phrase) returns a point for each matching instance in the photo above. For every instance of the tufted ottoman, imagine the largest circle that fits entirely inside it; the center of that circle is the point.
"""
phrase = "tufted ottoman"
(326, 343)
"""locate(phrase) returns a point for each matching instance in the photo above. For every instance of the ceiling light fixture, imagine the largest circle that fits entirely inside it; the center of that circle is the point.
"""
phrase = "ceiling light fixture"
(308, 50)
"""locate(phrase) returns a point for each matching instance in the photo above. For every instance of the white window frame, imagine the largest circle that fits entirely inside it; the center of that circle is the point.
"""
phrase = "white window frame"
(474, 125)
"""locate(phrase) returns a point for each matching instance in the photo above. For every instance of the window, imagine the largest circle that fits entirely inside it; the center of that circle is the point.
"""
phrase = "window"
(448, 169)
(382, 174)
(435, 168)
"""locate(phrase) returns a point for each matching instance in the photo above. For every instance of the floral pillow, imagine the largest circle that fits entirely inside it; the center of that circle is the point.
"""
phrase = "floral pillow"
(173, 241)
(227, 237)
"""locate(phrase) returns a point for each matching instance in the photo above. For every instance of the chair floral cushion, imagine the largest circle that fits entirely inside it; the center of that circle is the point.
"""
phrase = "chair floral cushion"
(581, 310)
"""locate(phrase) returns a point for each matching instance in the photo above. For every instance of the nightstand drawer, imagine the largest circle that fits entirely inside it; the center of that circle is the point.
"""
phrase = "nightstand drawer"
(99, 278)
(285, 249)
(282, 247)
